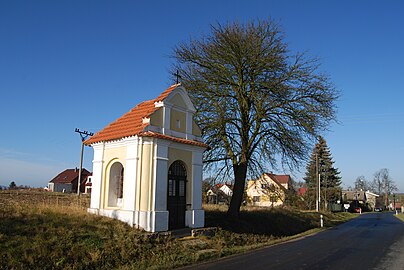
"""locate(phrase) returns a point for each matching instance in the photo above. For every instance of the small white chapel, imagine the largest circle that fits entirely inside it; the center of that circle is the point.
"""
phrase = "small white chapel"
(147, 166)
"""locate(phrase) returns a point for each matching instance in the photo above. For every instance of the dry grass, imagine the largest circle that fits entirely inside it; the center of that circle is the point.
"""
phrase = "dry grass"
(49, 231)
(41, 230)
(400, 216)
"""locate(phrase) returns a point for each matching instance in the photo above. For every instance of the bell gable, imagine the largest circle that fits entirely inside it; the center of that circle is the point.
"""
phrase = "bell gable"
(169, 116)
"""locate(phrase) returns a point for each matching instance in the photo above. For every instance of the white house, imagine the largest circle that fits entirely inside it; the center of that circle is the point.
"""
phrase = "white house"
(147, 167)
(371, 199)
(226, 189)
(219, 193)
(88, 184)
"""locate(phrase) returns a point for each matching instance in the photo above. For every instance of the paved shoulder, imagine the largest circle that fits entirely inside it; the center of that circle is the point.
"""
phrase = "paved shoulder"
(362, 243)
(393, 258)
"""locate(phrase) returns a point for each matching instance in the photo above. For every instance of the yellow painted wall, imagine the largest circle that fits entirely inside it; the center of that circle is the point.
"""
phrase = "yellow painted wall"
(145, 174)
(175, 116)
(186, 157)
(178, 100)
(156, 119)
(195, 129)
(265, 196)
(119, 153)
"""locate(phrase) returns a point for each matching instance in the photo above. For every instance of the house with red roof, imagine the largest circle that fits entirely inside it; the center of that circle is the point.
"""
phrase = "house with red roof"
(220, 193)
(67, 180)
(268, 190)
(147, 167)
(301, 191)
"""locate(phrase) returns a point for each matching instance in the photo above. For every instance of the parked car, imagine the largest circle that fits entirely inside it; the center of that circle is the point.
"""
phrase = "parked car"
(378, 209)
(357, 210)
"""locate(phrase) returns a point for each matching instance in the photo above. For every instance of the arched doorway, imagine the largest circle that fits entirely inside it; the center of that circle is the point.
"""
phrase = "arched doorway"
(115, 185)
(176, 195)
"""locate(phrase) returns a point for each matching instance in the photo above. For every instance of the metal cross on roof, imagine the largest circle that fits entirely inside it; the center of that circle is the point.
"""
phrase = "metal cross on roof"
(178, 77)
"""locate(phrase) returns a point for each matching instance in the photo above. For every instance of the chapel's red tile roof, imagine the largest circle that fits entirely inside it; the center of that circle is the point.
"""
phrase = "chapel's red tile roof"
(131, 124)
(166, 92)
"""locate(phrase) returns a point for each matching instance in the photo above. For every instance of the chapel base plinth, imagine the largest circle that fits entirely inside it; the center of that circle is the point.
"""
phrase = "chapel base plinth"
(122, 215)
(195, 218)
(151, 221)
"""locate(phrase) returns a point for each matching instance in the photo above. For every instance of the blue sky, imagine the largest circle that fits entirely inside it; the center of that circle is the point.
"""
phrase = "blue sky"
(68, 64)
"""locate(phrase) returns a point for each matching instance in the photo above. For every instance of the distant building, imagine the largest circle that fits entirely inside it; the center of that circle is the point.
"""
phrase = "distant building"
(301, 191)
(268, 190)
(220, 194)
(358, 198)
(354, 195)
(371, 199)
(88, 184)
(67, 180)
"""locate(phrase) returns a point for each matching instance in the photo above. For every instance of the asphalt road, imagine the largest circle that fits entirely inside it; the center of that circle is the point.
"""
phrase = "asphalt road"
(371, 241)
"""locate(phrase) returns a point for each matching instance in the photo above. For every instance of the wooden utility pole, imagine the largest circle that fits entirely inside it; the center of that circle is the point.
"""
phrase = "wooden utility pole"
(318, 186)
(83, 135)
(325, 193)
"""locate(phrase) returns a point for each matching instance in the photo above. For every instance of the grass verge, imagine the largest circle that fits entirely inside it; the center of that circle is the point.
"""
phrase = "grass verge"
(400, 216)
(41, 230)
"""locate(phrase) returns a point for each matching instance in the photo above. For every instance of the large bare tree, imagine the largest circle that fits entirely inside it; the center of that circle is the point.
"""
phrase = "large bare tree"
(256, 101)
(383, 184)
(361, 183)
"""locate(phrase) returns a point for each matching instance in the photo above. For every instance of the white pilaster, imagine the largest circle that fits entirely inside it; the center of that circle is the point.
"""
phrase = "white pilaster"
(166, 119)
(158, 217)
(195, 217)
(98, 163)
(196, 180)
(129, 196)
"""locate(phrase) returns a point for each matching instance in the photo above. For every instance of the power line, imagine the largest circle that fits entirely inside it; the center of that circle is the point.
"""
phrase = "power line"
(83, 134)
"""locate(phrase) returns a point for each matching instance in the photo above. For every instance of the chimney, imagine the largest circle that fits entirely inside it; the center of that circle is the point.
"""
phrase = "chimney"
(76, 170)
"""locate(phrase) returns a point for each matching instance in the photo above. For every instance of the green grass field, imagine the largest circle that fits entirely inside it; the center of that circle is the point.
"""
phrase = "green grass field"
(40, 230)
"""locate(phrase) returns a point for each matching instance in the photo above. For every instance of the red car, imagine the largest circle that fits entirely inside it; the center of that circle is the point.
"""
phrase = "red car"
(357, 210)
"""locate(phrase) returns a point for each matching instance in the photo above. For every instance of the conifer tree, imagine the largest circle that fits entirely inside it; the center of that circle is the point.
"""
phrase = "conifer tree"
(330, 181)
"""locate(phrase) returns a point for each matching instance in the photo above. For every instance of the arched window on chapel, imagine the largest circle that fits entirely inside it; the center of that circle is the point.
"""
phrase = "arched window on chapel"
(115, 185)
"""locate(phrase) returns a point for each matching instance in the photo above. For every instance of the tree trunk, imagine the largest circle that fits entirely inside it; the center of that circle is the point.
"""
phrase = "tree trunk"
(240, 174)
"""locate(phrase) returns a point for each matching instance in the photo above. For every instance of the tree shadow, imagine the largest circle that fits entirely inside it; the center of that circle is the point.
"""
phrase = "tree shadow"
(273, 222)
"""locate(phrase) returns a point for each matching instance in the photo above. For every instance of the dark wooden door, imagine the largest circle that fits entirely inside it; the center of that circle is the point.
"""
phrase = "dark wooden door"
(176, 195)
